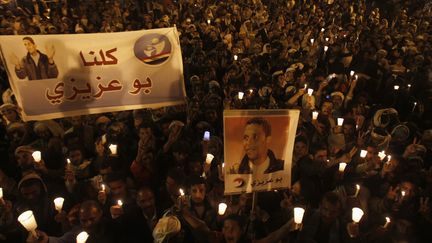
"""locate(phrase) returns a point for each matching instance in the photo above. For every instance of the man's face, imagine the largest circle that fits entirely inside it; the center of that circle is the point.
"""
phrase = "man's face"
(231, 231)
(255, 142)
(89, 218)
(300, 149)
(348, 130)
(75, 156)
(146, 201)
(198, 193)
(24, 160)
(145, 133)
(31, 193)
(171, 186)
(329, 212)
(326, 108)
(31, 48)
(118, 189)
(321, 155)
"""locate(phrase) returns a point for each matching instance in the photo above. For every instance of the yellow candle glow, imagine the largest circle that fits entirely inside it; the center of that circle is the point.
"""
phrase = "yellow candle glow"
(363, 153)
(240, 95)
(310, 92)
(209, 158)
(357, 214)
(298, 215)
(1, 193)
(113, 149)
(387, 222)
(352, 73)
(357, 190)
(340, 121)
(381, 155)
(325, 48)
(120, 203)
(235, 57)
(208, 21)
(342, 167)
(312, 41)
(314, 115)
(222, 208)
(58, 203)
(396, 87)
(28, 220)
(103, 187)
(82, 237)
(37, 156)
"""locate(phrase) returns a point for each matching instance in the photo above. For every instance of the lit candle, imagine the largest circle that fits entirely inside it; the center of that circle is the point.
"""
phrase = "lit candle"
(58, 203)
(208, 21)
(37, 156)
(251, 91)
(325, 48)
(209, 158)
(357, 214)
(312, 41)
(120, 203)
(381, 155)
(356, 77)
(82, 237)
(223, 168)
(340, 121)
(396, 87)
(357, 190)
(363, 153)
(103, 188)
(342, 166)
(413, 109)
(387, 222)
(298, 215)
(314, 115)
(409, 86)
(352, 73)
(1, 193)
(327, 39)
(388, 158)
(181, 192)
(403, 193)
(68, 164)
(206, 136)
(113, 149)
(240, 95)
(310, 91)
(235, 57)
(222, 208)
(28, 221)
(322, 29)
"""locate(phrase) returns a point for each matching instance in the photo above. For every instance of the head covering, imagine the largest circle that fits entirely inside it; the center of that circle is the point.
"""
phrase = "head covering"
(175, 123)
(380, 138)
(337, 93)
(165, 228)
(31, 176)
(382, 117)
(24, 149)
(8, 106)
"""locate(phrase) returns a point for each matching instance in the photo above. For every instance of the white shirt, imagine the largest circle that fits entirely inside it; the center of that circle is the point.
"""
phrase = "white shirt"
(260, 169)
(36, 58)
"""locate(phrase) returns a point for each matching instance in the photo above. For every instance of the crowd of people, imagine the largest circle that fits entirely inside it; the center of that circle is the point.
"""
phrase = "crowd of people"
(368, 62)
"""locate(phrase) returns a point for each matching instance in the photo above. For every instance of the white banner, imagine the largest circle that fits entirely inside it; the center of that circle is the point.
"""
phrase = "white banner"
(55, 76)
(258, 148)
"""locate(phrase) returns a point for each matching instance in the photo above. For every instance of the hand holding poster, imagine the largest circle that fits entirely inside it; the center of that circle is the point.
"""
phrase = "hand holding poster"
(258, 149)
(54, 76)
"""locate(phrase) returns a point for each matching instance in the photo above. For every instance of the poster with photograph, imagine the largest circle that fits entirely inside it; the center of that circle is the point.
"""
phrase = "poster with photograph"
(258, 148)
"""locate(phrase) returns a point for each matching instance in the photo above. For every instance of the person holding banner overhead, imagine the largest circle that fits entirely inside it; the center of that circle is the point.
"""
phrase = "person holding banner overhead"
(35, 65)
(258, 158)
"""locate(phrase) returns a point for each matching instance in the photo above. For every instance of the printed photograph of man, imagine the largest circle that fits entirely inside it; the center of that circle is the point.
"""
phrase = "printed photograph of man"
(258, 158)
(35, 65)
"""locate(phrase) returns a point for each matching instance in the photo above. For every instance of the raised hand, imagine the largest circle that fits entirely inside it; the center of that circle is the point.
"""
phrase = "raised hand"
(50, 51)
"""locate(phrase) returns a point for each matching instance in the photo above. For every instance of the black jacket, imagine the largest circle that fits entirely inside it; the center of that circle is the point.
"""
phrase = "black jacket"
(275, 164)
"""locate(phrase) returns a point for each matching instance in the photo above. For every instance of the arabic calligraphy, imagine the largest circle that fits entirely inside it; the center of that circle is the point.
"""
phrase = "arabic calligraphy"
(112, 60)
(62, 92)
(138, 86)
(265, 182)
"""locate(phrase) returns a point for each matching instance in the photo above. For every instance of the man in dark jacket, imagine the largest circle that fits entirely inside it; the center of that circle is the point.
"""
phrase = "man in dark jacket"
(35, 65)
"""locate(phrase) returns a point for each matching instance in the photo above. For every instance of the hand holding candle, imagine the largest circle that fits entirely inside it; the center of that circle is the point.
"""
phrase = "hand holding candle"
(298, 215)
(29, 222)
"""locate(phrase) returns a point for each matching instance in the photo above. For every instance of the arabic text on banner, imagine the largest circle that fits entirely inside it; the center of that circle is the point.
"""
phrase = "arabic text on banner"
(55, 76)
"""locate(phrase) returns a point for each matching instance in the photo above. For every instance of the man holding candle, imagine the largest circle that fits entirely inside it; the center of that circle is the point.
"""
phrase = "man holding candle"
(258, 158)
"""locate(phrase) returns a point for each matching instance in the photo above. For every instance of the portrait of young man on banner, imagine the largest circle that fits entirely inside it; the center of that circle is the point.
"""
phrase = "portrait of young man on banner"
(258, 149)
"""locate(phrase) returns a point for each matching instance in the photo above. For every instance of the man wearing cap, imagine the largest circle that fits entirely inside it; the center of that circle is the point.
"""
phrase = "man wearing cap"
(35, 65)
